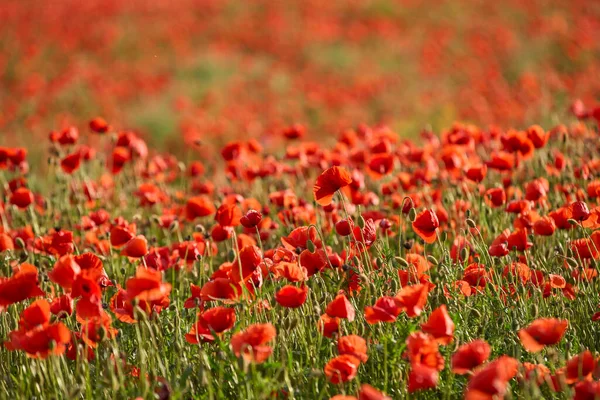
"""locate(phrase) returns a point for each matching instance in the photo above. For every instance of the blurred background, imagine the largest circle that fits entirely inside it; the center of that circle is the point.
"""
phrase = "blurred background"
(213, 70)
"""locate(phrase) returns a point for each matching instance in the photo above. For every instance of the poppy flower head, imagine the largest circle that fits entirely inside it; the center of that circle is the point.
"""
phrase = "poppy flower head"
(291, 296)
(252, 344)
(341, 307)
(426, 224)
(342, 368)
(470, 355)
(542, 332)
(353, 345)
(329, 182)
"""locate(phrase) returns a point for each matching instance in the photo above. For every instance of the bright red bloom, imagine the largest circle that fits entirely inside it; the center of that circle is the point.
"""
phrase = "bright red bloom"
(252, 343)
(71, 162)
(329, 182)
(99, 125)
(440, 325)
(65, 272)
(492, 379)
(291, 296)
(580, 367)
(353, 345)
(470, 355)
(412, 299)
(328, 326)
(22, 198)
(422, 377)
(200, 206)
(368, 392)
(386, 309)
(136, 247)
(542, 332)
(23, 284)
(426, 224)
(228, 215)
(251, 219)
(342, 368)
(341, 307)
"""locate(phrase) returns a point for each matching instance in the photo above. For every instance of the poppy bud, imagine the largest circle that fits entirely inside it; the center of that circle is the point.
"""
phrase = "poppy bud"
(412, 215)
(310, 246)
(471, 223)
(581, 212)
(402, 261)
(361, 222)
(385, 224)
(432, 260)
(343, 227)
(251, 219)
(231, 254)
(572, 262)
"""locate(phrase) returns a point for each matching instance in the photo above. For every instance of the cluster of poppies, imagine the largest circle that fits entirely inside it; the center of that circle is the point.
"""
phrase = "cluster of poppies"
(374, 236)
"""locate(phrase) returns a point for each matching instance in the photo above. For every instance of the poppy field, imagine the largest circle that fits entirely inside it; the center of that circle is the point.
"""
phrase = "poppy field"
(345, 205)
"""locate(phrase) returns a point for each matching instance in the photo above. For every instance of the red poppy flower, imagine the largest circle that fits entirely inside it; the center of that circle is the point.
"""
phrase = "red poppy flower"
(537, 136)
(542, 332)
(496, 197)
(38, 313)
(353, 345)
(343, 227)
(544, 226)
(65, 272)
(194, 300)
(220, 289)
(251, 219)
(425, 225)
(42, 341)
(341, 307)
(366, 235)
(99, 125)
(200, 206)
(422, 377)
(368, 392)
(291, 296)
(6, 242)
(147, 285)
(136, 247)
(228, 215)
(380, 165)
(587, 391)
(22, 198)
(71, 162)
(329, 182)
(120, 236)
(412, 299)
(491, 380)
(23, 284)
(470, 355)
(476, 173)
(62, 305)
(440, 325)
(386, 309)
(580, 367)
(342, 368)
(92, 267)
(251, 344)
(313, 262)
(423, 349)
(299, 237)
(579, 211)
(218, 319)
(328, 326)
